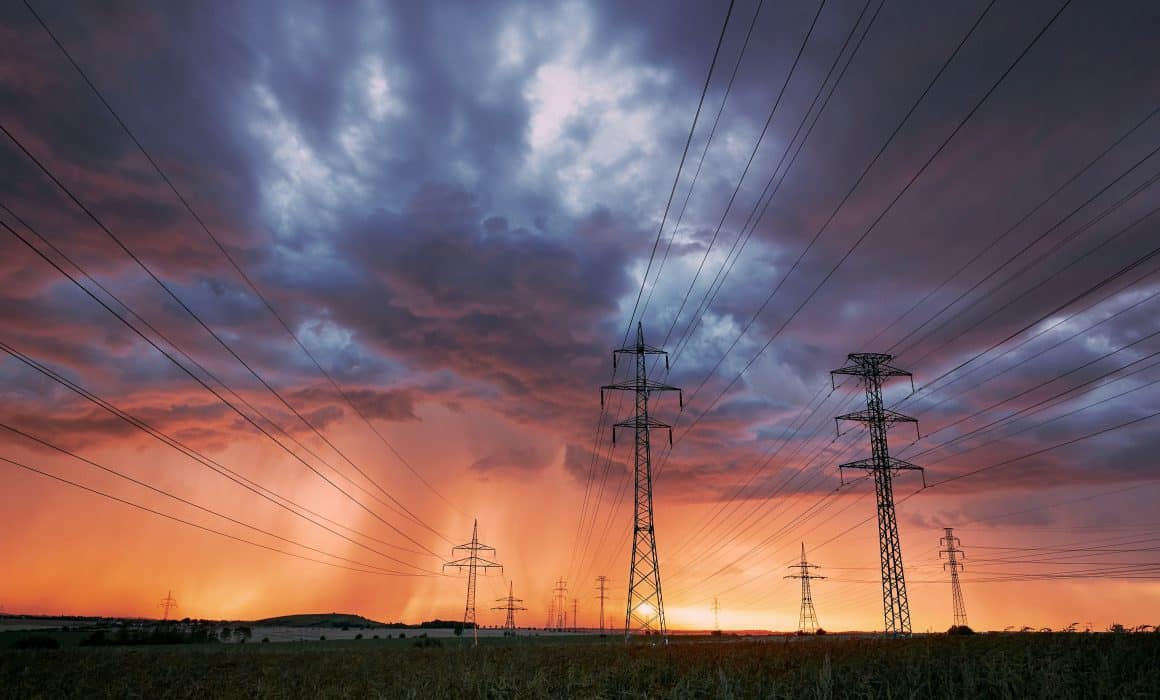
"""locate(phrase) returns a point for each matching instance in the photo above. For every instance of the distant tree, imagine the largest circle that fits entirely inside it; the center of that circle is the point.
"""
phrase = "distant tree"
(458, 629)
(358, 636)
(225, 634)
(322, 637)
(820, 631)
(1117, 628)
(243, 633)
(960, 629)
(265, 640)
(1072, 627)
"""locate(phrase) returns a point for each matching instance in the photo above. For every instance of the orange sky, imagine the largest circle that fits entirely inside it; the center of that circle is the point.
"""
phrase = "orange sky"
(71, 552)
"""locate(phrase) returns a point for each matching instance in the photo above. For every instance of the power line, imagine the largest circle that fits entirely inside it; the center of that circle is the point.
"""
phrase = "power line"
(203, 528)
(169, 494)
(207, 387)
(173, 295)
(269, 495)
(680, 166)
(233, 262)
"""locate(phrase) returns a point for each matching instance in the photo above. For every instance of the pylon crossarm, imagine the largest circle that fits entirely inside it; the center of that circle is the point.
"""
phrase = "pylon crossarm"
(893, 464)
(889, 417)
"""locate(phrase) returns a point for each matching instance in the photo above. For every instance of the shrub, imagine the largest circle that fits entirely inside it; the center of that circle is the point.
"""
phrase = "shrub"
(960, 629)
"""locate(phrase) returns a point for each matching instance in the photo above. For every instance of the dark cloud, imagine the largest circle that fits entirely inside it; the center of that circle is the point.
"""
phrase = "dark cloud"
(464, 221)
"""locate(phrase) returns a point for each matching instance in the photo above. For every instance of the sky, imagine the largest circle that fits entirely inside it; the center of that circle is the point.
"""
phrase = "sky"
(348, 279)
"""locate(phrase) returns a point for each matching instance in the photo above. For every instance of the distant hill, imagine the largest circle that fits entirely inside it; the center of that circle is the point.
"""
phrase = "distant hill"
(328, 620)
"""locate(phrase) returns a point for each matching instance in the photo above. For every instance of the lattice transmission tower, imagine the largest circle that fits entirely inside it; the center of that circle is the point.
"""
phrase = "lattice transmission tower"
(716, 615)
(808, 619)
(645, 612)
(871, 368)
(952, 544)
(601, 594)
(167, 604)
(473, 562)
(560, 604)
(511, 604)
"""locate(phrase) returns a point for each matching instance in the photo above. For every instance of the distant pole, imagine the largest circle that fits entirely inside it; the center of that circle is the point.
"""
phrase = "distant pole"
(716, 614)
(952, 544)
(473, 563)
(808, 619)
(601, 584)
(575, 621)
(645, 612)
(510, 604)
(871, 368)
(167, 604)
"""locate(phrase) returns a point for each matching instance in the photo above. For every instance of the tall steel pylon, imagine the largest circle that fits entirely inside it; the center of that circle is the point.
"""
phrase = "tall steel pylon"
(510, 604)
(952, 544)
(167, 604)
(872, 368)
(601, 587)
(473, 563)
(716, 615)
(808, 619)
(560, 603)
(645, 611)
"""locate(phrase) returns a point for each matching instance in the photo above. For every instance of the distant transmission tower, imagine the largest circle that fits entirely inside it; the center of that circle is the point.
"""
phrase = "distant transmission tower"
(808, 619)
(716, 614)
(167, 604)
(871, 368)
(601, 584)
(473, 563)
(561, 604)
(575, 622)
(952, 544)
(645, 611)
(511, 605)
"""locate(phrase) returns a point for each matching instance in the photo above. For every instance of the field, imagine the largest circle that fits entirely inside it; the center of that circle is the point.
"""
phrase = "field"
(992, 665)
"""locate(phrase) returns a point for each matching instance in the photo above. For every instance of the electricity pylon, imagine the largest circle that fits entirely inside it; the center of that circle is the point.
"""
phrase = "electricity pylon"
(808, 619)
(716, 615)
(473, 563)
(871, 368)
(561, 604)
(167, 603)
(952, 563)
(575, 622)
(511, 605)
(601, 583)
(645, 611)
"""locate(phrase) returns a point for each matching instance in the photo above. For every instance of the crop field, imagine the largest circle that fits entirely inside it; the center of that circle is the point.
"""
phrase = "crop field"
(992, 665)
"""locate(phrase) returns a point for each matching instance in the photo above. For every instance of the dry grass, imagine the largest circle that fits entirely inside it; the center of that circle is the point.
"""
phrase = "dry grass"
(1000, 666)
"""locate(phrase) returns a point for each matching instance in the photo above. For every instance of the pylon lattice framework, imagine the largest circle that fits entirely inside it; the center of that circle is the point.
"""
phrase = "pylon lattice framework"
(871, 369)
(952, 564)
(601, 588)
(473, 563)
(560, 604)
(645, 611)
(808, 619)
(511, 604)
(167, 604)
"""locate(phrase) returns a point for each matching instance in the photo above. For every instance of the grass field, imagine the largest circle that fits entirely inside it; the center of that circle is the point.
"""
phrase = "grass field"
(1000, 666)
